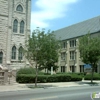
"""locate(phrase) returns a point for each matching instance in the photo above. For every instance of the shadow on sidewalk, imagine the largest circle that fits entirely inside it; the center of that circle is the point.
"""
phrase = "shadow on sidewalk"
(40, 86)
(89, 83)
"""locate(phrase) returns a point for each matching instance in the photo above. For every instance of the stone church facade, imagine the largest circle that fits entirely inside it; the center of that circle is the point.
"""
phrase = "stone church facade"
(14, 31)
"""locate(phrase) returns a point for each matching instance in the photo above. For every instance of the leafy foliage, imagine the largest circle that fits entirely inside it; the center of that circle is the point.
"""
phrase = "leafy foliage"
(42, 50)
(28, 70)
(29, 78)
(89, 49)
(96, 77)
(89, 46)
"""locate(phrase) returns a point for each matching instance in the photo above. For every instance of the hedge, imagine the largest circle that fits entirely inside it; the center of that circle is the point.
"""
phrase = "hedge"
(30, 78)
(28, 70)
(95, 77)
(76, 77)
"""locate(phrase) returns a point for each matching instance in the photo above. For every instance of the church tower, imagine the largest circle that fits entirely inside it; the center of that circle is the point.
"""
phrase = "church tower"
(14, 31)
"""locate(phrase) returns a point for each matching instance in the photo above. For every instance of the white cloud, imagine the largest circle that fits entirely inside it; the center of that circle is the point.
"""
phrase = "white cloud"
(49, 10)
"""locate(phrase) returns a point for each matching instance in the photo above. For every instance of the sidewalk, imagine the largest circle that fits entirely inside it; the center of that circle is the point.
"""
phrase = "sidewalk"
(16, 86)
(13, 87)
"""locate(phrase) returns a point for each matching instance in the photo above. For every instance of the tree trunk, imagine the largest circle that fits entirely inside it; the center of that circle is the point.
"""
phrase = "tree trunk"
(36, 76)
(92, 74)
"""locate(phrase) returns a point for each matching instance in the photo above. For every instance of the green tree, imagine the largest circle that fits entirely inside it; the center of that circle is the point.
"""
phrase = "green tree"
(89, 47)
(42, 49)
(50, 49)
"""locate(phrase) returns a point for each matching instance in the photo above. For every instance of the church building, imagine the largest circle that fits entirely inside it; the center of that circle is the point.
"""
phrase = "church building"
(69, 57)
(14, 31)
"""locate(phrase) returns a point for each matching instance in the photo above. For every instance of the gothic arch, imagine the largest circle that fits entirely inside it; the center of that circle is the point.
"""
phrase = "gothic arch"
(22, 26)
(20, 53)
(15, 25)
(19, 8)
(14, 51)
(1, 57)
(19, 4)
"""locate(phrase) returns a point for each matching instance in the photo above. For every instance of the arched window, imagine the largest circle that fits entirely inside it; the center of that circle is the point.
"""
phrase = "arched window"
(13, 52)
(15, 25)
(20, 53)
(19, 8)
(1, 57)
(22, 27)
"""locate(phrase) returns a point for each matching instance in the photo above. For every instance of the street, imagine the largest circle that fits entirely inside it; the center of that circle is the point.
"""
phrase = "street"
(65, 93)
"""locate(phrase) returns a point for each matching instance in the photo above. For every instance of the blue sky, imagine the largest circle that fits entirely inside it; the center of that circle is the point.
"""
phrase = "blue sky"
(57, 14)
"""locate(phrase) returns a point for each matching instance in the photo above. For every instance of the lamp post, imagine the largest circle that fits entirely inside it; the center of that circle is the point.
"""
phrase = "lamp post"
(51, 70)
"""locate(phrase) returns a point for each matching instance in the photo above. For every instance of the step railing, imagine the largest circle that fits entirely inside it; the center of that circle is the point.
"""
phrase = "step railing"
(11, 76)
(6, 76)
(3, 76)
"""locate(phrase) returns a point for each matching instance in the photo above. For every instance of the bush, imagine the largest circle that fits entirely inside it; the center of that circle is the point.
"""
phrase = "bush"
(79, 74)
(64, 78)
(76, 77)
(47, 73)
(61, 73)
(42, 79)
(28, 70)
(52, 78)
(29, 78)
(58, 78)
(95, 77)
(22, 78)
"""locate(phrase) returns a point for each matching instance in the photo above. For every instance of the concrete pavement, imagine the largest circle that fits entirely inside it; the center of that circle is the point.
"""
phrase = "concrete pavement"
(16, 86)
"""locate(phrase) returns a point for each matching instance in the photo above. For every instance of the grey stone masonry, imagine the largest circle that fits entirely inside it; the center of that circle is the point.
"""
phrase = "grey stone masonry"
(8, 38)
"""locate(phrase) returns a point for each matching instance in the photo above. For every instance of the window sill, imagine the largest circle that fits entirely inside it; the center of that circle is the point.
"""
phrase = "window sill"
(21, 34)
(72, 60)
(63, 60)
(20, 12)
(17, 60)
(63, 48)
(72, 47)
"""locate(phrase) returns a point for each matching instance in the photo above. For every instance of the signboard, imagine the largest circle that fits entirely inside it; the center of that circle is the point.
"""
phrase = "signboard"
(87, 68)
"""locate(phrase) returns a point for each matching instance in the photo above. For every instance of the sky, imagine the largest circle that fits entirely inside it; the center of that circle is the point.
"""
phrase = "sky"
(56, 14)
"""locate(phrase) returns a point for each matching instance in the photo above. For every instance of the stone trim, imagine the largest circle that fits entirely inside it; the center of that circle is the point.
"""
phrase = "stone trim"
(3, 15)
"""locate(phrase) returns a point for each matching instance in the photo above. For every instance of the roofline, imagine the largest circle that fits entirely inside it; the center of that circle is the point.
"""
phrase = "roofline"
(81, 36)
(77, 23)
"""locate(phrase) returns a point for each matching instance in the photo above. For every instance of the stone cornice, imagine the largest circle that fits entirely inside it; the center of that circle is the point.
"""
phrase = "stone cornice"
(4, 15)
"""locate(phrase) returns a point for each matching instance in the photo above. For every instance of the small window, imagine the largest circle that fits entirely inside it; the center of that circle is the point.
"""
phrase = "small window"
(72, 43)
(13, 52)
(15, 26)
(20, 53)
(19, 8)
(64, 44)
(1, 57)
(72, 55)
(63, 69)
(63, 56)
(22, 27)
